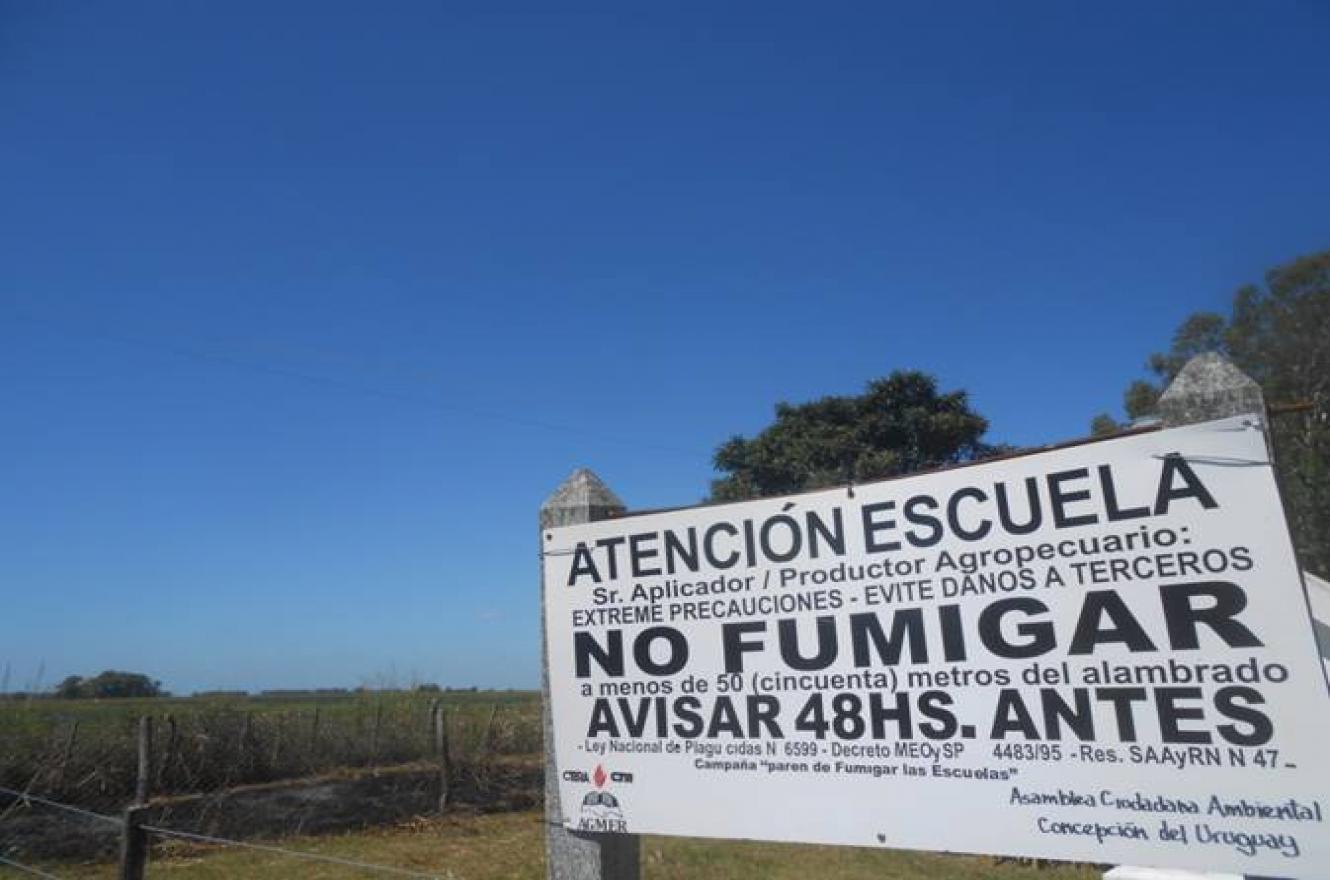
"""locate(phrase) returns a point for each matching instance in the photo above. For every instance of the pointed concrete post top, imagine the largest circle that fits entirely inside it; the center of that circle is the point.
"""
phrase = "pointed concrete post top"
(581, 498)
(1209, 387)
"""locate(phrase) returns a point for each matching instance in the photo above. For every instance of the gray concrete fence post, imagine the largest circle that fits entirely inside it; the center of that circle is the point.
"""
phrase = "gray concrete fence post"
(1208, 387)
(582, 498)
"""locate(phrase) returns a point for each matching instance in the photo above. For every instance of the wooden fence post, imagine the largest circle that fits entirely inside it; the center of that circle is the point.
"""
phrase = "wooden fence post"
(133, 839)
(143, 781)
(582, 498)
(67, 755)
(439, 721)
(242, 742)
(172, 741)
(133, 844)
(1208, 387)
(487, 734)
(374, 734)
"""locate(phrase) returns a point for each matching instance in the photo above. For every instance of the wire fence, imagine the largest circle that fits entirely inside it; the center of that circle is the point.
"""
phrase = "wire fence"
(89, 756)
(22, 798)
(295, 854)
(25, 799)
(202, 766)
(26, 869)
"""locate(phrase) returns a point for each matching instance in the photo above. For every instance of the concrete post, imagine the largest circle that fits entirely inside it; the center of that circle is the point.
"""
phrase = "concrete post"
(1207, 387)
(582, 498)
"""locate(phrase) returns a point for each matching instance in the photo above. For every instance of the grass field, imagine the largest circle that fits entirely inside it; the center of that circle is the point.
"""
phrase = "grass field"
(227, 738)
(510, 846)
(28, 711)
(40, 717)
(84, 751)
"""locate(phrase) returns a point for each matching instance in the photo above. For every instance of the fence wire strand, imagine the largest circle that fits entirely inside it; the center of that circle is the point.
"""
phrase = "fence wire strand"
(24, 797)
(27, 869)
(296, 854)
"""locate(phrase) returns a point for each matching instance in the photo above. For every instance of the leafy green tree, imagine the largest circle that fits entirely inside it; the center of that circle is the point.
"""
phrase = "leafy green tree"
(109, 685)
(899, 425)
(71, 688)
(1279, 334)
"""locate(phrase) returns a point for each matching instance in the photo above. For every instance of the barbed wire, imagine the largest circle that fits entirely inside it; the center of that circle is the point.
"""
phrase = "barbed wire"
(32, 798)
(202, 838)
(27, 869)
(297, 854)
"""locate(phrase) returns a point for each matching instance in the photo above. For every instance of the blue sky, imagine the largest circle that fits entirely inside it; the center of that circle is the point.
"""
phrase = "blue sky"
(305, 307)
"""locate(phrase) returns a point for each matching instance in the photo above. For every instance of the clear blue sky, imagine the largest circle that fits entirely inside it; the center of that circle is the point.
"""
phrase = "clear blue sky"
(307, 306)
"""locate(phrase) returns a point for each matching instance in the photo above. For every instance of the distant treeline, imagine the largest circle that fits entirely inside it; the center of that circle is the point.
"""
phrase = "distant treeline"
(112, 685)
(326, 693)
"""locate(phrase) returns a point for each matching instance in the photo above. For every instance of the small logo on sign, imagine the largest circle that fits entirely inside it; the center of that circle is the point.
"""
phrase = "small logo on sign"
(602, 804)
(602, 811)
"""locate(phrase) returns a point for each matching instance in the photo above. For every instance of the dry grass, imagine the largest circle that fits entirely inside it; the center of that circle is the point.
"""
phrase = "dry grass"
(84, 752)
(510, 846)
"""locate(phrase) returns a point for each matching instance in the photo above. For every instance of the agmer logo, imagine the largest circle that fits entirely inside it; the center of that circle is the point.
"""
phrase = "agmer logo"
(602, 811)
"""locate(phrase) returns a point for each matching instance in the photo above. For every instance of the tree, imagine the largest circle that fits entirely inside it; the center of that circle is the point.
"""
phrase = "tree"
(899, 425)
(109, 685)
(1278, 334)
(71, 688)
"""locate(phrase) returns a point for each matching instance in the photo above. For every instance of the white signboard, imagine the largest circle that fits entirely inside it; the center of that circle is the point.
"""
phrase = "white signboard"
(1098, 653)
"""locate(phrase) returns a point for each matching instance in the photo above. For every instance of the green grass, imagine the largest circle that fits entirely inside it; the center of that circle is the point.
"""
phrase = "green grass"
(510, 846)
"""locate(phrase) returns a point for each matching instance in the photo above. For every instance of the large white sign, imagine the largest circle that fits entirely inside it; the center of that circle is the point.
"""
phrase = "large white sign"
(1098, 653)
